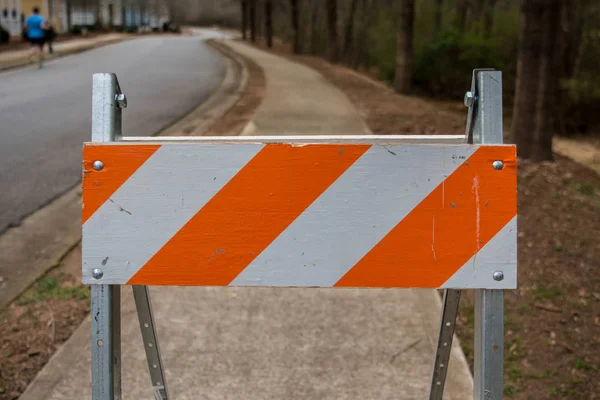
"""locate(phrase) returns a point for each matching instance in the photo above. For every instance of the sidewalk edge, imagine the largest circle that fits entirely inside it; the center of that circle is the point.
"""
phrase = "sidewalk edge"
(219, 102)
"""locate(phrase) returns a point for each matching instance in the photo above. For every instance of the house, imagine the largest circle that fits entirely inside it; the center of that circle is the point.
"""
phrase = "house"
(65, 14)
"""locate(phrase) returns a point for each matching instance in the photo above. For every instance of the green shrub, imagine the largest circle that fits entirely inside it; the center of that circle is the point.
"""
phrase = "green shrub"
(382, 45)
(444, 66)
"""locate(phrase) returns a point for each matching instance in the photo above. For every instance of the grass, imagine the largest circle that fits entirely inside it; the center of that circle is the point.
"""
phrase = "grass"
(510, 390)
(514, 350)
(49, 288)
(582, 365)
(546, 293)
(585, 189)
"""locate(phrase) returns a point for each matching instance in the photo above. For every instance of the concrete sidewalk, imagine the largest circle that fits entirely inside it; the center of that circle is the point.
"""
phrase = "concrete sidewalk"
(299, 101)
(264, 343)
(17, 58)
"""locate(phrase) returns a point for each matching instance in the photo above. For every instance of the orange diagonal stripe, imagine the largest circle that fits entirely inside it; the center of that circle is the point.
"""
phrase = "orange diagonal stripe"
(120, 162)
(246, 215)
(446, 229)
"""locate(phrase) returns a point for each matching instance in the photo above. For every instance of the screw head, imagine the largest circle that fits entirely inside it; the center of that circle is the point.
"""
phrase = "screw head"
(498, 276)
(469, 99)
(121, 100)
(98, 165)
(97, 273)
(498, 165)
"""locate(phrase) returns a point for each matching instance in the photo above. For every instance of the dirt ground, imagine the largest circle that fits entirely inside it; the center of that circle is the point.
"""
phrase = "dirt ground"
(35, 325)
(553, 319)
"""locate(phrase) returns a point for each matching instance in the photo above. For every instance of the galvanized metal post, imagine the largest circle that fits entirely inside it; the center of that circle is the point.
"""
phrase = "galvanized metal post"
(489, 304)
(106, 299)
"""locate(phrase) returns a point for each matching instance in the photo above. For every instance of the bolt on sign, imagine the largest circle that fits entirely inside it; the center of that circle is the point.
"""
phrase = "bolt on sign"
(237, 213)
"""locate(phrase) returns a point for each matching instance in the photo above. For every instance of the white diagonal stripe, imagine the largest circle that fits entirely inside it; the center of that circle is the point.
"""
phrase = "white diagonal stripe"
(153, 205)
(353, 215)
(499, 254)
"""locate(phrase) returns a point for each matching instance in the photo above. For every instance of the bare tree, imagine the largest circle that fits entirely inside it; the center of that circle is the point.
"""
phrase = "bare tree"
(269, 22)
(334, 52)
(545, 124)
(404, 47)
(349, 35)
(488, 17)
(295, 14)
(528, 74)
(244, 12)
(462, 8)
(437, 23)
(252, 18)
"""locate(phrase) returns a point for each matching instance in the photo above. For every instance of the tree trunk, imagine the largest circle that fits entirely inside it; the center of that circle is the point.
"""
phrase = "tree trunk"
(488, 21)
(545, 126)
(98, 13)
(462, 8)
(349, 31)
(334, 52)
(68, 6)
(369, 12)
(296, 26)
(528, 74)
(404, 47)
(437, 23)
(572, 38)
(314, 28)
(252, 19)
(269, 22)
(244, 11)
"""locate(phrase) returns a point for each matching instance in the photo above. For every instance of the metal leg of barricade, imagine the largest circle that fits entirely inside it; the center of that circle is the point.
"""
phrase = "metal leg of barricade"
(150, 340)
(484, 126)
(108, 102)
(106, 342)
(106, 299)
(488, 354)
(442, 357)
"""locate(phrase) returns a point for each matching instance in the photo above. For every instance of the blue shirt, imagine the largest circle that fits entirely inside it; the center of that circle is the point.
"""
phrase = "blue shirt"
(34, 26)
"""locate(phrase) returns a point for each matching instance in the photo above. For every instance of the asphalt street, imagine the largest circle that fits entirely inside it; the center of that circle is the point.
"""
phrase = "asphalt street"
(45, 114)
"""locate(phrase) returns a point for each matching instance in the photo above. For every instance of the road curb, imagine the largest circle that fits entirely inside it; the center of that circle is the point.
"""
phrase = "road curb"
(195, 123)
(25, 61)
(220, 102)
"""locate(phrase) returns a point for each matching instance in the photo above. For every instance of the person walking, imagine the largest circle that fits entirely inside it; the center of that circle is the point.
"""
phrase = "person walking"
(35, 25)
(50, 35)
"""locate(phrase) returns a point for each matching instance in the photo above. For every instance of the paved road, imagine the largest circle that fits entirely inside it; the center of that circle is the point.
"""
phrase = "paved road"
(45, 115)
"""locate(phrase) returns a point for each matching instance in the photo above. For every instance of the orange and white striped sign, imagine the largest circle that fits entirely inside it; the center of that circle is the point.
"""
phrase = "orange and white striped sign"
(256, 214)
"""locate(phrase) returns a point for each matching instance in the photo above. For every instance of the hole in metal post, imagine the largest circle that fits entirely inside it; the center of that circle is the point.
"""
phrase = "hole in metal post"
(448, 324)
(149, 344)
(146, 325)
(445, 344)
(100, 343)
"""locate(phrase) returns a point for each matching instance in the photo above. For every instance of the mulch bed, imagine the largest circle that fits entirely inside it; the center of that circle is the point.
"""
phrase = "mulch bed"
(37, 323)
(553, 318)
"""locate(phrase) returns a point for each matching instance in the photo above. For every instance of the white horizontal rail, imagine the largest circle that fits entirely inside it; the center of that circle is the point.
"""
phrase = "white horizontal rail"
(324, 139)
